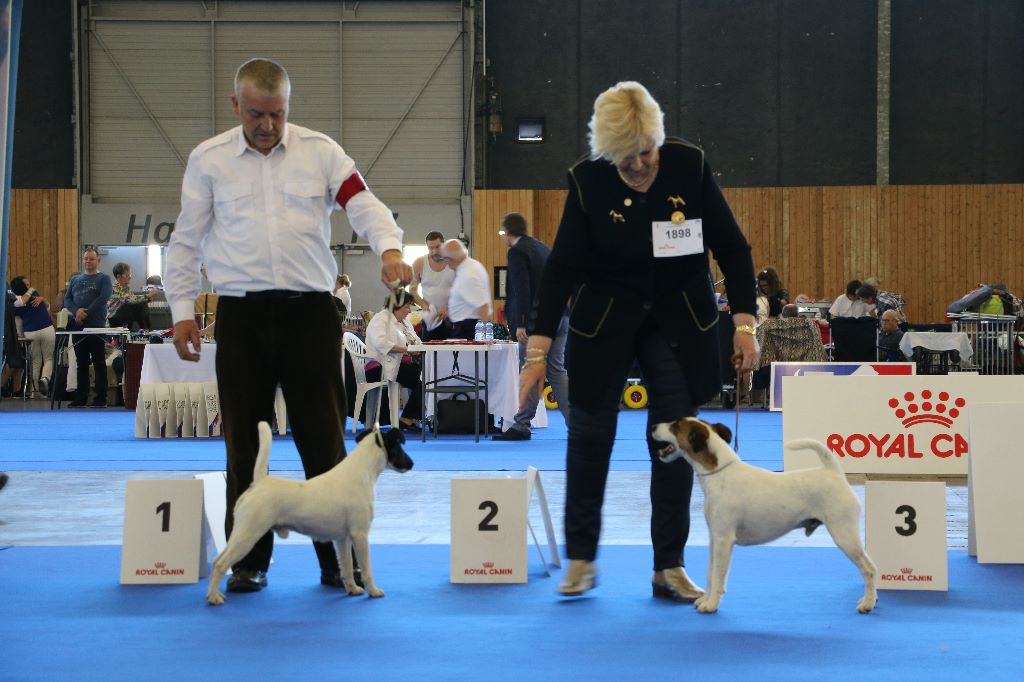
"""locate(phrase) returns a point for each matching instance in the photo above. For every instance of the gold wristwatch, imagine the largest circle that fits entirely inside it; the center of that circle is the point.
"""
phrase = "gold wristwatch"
(747, 329)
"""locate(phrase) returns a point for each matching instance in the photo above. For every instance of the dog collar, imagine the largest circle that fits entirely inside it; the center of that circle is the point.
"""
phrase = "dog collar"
(719, 469)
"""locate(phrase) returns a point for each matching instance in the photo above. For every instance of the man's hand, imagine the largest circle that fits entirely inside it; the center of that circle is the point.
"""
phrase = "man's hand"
(442, 312)
(394, 272)
(521, 336)
(81, 314)
(185, 332)
(38, 301)
(151, 294)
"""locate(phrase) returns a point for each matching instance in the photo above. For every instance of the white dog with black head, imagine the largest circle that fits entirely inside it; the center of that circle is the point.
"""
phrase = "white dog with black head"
(745, 505)
(336, 506)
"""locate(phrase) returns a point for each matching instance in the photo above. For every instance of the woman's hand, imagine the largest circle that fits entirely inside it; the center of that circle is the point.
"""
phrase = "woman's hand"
(531, 377)
(745, 351)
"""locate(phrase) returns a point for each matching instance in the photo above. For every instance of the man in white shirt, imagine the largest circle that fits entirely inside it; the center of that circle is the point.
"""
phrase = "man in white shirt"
(431, 274)
(255, 208)
(848, 304)
(469, 299)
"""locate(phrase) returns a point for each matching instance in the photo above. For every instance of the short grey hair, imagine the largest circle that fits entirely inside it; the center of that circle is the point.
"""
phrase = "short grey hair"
(266, 75)
(454, 248)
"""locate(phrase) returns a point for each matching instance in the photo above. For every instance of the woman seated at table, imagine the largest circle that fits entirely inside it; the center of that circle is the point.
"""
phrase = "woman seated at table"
(388, 335)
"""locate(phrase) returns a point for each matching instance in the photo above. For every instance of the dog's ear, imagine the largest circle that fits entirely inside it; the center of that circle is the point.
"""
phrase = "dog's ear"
(723, 432)
(698, 437)
(363, 434)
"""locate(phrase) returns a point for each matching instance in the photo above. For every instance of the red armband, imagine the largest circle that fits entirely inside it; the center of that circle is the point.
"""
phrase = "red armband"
(352, 186)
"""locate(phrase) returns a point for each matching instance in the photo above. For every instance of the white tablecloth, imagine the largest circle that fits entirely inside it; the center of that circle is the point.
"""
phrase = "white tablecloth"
(161, 365)
(937, 341)
(502, 376)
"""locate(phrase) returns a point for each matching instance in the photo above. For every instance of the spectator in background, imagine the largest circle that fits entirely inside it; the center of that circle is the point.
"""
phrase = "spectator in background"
(889, 337)
(341, 292)
(37, 326)
(86, 300)
(469, 299)
(14, 359)
(848, 305)
(434, 278)
(887, 300)
(869, 297)
(125, 309)
(388, 336)
(771, 295)
(154, 281)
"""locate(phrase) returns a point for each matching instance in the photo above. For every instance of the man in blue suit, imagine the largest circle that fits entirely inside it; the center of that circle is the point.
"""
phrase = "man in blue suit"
(526, 259)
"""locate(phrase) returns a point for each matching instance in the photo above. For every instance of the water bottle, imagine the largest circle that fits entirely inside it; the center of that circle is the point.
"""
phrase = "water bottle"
(478, 332)
(489, 332)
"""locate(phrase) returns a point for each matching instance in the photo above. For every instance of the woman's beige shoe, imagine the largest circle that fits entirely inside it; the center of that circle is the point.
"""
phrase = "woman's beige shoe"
(581, 577)
(673, 583)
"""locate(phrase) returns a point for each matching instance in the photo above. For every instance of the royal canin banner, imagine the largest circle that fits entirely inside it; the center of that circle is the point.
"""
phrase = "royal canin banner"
(890, 424)
(839, 369)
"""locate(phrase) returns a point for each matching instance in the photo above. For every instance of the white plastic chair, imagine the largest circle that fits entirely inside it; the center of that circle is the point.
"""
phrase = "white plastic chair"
(360, 356)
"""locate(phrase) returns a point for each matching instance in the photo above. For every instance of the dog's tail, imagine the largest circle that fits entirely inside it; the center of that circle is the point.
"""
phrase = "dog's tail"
(827, 457)
(263, 457)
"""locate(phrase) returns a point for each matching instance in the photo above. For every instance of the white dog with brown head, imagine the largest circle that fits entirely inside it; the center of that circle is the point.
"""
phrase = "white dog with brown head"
(745, 505)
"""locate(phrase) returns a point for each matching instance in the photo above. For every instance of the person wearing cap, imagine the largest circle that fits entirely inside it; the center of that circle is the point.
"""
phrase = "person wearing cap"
(642, 214)
(255, 208)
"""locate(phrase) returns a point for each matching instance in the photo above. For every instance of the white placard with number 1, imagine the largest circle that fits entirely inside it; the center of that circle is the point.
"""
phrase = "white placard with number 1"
(163, 532)
(905, 525)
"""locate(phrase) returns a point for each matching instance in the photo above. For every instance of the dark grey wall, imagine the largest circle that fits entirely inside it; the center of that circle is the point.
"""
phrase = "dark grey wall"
(44, 151)
(779, 92)
(958, 91)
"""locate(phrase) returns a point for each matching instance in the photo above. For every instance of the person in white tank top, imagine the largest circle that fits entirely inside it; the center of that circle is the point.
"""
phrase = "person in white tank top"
(433, 277)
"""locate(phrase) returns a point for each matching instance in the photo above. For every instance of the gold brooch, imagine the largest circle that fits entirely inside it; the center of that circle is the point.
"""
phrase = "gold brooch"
(616, 217)
(678, 217)
(627, 202)
(677, 201)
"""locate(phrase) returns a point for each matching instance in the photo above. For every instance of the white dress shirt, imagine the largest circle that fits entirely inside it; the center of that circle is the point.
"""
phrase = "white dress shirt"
(471, 289)
(843, 306)
(263, 222)
(343, 295)
(383, 334)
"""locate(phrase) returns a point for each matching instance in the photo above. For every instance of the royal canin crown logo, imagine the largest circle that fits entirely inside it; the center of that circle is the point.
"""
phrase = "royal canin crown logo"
(161, 564)
(906, 571)
(488, 564)
(924, 409)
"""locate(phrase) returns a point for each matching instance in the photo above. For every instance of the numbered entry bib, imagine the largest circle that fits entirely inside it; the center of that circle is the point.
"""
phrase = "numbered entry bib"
(683, 239)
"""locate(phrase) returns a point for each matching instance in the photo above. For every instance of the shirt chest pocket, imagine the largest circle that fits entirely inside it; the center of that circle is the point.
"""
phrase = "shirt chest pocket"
(232, 202)
(305, 204)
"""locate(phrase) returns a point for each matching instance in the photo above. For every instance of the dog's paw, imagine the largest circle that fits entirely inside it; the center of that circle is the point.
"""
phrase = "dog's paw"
(376, 592)
(354, 590)
(214, 598)
(706, 604)
(865, 605)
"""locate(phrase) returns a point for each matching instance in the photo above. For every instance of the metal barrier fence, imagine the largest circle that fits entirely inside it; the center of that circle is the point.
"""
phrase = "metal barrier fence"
(991, 337)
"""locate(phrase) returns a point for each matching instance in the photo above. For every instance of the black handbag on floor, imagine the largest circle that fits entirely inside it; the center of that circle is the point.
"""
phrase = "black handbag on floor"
(455, 414)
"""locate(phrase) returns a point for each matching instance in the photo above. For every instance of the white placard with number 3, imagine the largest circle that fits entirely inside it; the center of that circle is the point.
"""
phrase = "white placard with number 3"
(905, 525)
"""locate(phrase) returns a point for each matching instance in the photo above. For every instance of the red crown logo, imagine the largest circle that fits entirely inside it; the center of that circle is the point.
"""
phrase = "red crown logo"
(906, 571)
(913, 410)
(160, 564)
(488, 564)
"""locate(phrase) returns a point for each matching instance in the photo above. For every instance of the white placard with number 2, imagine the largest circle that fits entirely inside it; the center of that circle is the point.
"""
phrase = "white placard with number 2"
(489, 518)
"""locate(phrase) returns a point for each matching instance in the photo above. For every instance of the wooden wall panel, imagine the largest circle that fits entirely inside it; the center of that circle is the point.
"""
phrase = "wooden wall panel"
(44, 237)
(932, 243)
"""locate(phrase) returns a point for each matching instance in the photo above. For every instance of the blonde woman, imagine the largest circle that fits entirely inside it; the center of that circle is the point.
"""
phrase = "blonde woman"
(342, 293)
(642, 215)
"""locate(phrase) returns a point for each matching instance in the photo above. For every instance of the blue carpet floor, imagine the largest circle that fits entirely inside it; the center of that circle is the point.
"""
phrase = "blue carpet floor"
(790, 614)
(103, 440)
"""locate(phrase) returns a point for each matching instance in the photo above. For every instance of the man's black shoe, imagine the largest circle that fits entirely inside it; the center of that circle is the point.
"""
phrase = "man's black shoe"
(3, 480)
(333, 578)
(98, 403)
(244, 580)
(77, 403)
(513, 434)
